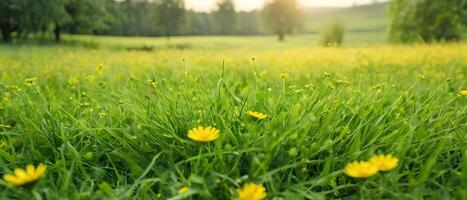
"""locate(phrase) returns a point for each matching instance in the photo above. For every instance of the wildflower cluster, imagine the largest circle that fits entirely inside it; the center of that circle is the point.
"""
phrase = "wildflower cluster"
(364, 169)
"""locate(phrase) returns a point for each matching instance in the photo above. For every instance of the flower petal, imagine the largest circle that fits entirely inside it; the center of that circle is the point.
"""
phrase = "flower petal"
(40, 170)
(30, 170)
(21, 174)
(12, 179)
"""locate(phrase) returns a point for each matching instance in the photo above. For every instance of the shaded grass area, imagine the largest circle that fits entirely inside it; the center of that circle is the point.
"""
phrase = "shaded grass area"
(110, 123)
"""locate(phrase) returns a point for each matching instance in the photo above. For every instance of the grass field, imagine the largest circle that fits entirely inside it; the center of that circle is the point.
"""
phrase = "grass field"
(365, 18)
(113, 123)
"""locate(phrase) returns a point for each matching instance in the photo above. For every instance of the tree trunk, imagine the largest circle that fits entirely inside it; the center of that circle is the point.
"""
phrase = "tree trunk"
(6, 34)
(57, 33)
(167, 35)
(281, 37)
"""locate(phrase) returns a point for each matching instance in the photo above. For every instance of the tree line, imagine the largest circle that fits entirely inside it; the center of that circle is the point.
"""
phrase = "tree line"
(141, 18)
(414, 20)
(427, 20)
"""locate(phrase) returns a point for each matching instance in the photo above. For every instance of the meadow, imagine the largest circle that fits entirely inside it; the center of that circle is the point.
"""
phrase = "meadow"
(109, 119)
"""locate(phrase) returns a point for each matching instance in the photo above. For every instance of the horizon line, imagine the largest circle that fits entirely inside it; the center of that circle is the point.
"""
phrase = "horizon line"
(304, 6)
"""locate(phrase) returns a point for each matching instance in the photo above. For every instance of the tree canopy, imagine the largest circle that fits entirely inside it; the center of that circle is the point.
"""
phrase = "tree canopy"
(282, 16)
(427, 20)
(414, 20)
(170, 15)
(123, 17)
(226, 17)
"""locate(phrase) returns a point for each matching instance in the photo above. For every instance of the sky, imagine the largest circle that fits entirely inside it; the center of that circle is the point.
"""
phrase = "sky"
(247, 5)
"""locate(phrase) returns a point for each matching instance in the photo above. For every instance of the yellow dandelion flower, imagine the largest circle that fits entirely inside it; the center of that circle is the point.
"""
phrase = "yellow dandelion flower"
(257, 115)
(384, 162)
(100, 70)
(463, 93)
(202, 134)
(284, 75)
(91, 78)
(360, 169)
(152, 83)
(22, 177)
(251, 191)
(30, 81)
(73, 81)
(183, 190)
(421, 76)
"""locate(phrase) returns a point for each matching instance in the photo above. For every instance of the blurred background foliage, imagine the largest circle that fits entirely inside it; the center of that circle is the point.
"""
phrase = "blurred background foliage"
(333, 34)
(405, 21)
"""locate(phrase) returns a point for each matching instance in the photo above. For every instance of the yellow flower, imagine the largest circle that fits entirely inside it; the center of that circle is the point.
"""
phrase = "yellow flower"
(257, 115)
(100, 70)
(73, 81)
(360, 169)
(463, 92)
(23, 177)
(384, 162)
(202, 134)
(91, 78)
(284, 75)
(30, 81)
(251, 191)
(421, 76)
(183, 190)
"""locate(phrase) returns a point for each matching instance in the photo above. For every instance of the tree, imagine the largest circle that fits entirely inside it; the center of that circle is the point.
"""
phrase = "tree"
(139, 16)
(86, 16)
(226, 17)
(426, 20)
(56, 15)
(198, 23)
(249, 23)
(118, 21)
(11, 15)
(282, 16)
(464, 14)
(170, 16)
(32, 16)
(333, 34)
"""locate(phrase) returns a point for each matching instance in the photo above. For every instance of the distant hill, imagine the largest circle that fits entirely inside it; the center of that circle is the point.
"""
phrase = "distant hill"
(365, 18)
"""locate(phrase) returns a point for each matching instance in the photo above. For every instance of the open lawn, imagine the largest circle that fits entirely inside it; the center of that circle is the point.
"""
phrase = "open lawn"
(109, 117)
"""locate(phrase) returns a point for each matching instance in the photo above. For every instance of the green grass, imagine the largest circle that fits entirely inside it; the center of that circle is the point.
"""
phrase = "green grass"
(236, 43)
(115, 135)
